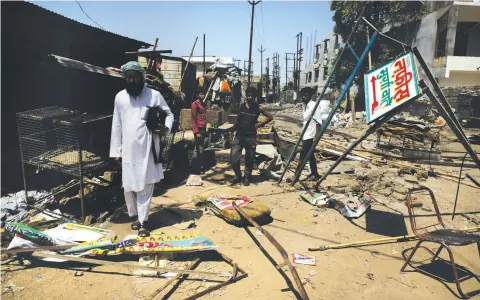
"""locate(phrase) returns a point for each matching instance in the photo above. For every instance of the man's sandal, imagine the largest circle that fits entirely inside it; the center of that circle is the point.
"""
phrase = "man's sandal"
(143, 232)
(136, 225)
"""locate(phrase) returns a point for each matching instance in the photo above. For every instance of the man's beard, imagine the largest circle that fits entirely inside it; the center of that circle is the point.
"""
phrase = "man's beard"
(134, 88)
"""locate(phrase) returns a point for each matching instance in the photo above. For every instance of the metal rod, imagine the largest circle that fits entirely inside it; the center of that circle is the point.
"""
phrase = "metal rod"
(451, 122)
(438, 90)
(369, 131)
(369, 53)
(204, 66)
(353, 52)
(216, 287)
(282, 251)
(327, 83)
(80, 159)
(191, 266)
(403, 238)
(323, 128)
(458, 186)
(188, 62)
(130, 265)
(473, 179)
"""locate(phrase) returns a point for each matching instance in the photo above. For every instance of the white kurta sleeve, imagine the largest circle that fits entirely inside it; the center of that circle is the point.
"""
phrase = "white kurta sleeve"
(116, 138)
(164, 106)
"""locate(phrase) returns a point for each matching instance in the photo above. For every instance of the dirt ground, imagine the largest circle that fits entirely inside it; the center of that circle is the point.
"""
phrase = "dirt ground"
(370, 272)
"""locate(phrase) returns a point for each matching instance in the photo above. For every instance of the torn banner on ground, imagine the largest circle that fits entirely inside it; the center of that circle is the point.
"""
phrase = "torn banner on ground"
(354, 208)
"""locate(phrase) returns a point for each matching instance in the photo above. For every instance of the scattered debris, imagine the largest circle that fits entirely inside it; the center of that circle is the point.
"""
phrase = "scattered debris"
(78, 273)
(194, 180)
(303, 259)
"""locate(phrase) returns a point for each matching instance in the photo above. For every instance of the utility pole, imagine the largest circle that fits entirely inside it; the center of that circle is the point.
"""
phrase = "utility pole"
(238, 62)
(298, 64)
(253, 3)
(267, 84)
(286, 65)
(261, 50)
(274, 77)
(278, 74)
(204, 55)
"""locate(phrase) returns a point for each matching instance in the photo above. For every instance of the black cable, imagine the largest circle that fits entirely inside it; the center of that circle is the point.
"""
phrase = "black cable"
(458, 186)
(89, 16)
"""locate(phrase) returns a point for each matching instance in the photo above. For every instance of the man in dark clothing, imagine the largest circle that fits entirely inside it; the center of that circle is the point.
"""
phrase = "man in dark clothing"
(199, 126)
(246, 135)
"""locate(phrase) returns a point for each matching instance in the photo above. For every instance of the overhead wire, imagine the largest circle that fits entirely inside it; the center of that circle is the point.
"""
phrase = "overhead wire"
(88, 15)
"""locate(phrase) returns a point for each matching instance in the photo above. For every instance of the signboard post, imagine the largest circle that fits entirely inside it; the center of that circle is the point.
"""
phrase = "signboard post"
(386, 89)
(389, 86)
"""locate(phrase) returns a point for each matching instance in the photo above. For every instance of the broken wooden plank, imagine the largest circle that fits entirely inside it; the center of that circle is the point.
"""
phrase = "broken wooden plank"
(282, 251)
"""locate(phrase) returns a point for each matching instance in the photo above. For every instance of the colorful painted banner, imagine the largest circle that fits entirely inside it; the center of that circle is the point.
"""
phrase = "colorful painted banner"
(30, 234)
(389, 86)
(157, 244)
(225, 202)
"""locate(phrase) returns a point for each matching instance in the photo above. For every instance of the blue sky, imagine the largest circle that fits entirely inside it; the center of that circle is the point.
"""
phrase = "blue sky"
(225, 23)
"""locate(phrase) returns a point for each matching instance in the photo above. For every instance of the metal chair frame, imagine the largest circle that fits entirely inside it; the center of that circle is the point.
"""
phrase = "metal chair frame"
(426, 236)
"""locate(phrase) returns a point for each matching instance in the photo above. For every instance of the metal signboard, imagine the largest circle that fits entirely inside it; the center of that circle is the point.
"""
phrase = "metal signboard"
(389, 86)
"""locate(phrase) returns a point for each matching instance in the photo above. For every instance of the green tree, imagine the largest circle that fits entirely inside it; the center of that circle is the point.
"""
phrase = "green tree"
(379, 14)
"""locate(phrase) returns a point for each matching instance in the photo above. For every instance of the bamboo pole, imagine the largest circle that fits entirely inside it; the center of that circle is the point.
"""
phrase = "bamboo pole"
(130, 265)
(403, 238)
(282, 251)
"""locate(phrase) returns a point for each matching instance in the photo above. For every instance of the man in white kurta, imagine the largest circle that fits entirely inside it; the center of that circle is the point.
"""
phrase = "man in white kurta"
(131, 142)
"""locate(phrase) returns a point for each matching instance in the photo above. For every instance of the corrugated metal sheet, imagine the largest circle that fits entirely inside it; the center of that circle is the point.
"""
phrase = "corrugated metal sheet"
(71, 63)
(52, 12)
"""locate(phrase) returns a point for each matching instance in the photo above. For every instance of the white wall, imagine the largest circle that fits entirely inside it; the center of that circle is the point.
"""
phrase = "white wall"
(460, 79)
(462, 63)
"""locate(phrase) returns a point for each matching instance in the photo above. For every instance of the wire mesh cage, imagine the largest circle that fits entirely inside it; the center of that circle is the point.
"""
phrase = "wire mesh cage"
(68, 141)
(169, 144)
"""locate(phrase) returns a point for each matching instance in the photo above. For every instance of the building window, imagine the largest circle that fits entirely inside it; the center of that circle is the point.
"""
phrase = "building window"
(325, 73)
(317, 74)
(442, 26)
(467, 39)
(337, 45)
(317, 51)
(325, 46)
(309, 77)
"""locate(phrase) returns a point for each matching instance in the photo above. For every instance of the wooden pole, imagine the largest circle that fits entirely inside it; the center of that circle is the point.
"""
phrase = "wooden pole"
(188, 62)
(403, 238)
(282, 251)
(150, 59)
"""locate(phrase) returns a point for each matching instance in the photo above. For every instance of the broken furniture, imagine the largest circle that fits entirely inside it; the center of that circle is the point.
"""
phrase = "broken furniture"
(218, 138)
(64, 140)
(441, 235)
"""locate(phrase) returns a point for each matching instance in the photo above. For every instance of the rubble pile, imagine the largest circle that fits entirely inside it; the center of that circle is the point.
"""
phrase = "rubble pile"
(295, 111)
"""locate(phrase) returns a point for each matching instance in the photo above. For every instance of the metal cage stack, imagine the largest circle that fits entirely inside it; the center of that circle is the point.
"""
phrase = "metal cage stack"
(64, 140)
(169, 144)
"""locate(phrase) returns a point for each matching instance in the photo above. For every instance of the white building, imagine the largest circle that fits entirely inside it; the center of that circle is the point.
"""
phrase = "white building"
(449, 40)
